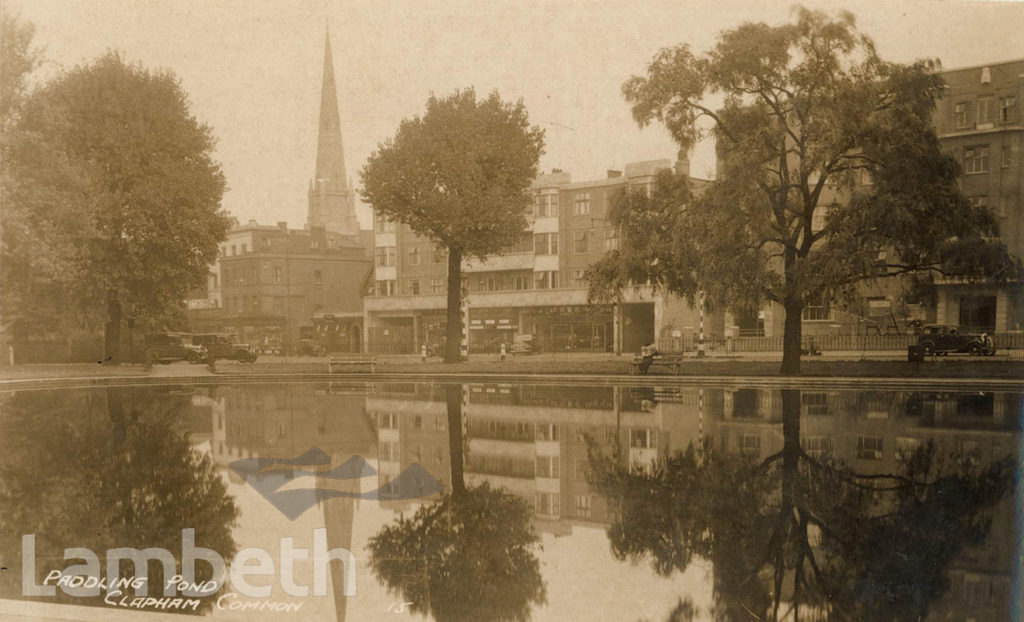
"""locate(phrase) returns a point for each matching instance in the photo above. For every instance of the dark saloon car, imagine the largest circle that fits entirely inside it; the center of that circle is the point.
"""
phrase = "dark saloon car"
(220, 346)
(168, 347)
(940, 339)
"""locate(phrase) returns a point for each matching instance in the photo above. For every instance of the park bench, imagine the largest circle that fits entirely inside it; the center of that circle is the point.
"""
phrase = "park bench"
(339, 362)
(672, 361)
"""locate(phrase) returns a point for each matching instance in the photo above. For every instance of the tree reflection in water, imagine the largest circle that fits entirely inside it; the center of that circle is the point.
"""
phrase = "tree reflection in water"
(103, 470)
(800, 538)
(468, 556)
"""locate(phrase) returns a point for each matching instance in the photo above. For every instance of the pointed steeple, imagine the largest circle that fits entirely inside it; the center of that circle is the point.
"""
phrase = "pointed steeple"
(331, 201)
(330, 155)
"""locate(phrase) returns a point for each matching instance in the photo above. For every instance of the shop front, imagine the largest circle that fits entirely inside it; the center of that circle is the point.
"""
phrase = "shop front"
(489, 328)
(572, 328)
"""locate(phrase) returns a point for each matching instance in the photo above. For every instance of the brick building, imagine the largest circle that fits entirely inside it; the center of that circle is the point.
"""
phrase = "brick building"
(534, 289)
(979, 122)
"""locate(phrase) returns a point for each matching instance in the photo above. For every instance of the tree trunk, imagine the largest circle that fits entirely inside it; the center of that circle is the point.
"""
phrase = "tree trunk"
(453, 334)
(791, 337)
(453, 399)
(112, 331)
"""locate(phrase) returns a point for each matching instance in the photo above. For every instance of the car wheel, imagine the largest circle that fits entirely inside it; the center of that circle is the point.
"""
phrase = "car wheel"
(974, 349)
(928, 348)
(251, 358)
(193, 358)
(151, 357)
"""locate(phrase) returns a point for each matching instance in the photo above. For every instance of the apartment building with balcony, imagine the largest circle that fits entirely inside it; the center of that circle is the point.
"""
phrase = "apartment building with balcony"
(535, 289)
(979, 122)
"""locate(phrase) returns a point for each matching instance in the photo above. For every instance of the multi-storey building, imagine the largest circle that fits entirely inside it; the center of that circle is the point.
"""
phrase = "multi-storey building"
(284, 289)
(979, 122)
(534, 289)
(275, 287)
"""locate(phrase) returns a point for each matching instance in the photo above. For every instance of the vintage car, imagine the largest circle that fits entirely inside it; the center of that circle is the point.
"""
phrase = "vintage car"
(939, 339)
(220, 346)
(168, 347)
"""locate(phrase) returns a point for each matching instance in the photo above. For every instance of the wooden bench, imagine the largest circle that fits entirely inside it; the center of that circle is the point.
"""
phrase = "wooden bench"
(339, 362)
(672, 361)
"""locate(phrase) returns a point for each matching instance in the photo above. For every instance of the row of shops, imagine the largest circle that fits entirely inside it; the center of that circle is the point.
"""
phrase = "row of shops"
(562, 328)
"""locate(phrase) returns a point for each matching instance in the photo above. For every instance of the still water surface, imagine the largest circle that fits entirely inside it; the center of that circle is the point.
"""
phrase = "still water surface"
(509, 502)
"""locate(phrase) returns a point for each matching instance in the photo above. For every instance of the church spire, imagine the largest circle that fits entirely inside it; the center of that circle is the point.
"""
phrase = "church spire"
(331, 201)
(330, 156)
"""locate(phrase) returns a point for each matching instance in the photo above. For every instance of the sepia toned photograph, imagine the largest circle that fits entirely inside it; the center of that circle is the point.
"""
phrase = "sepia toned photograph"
(462, 311)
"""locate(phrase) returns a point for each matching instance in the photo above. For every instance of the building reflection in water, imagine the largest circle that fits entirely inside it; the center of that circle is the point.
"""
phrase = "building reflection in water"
(532, 441)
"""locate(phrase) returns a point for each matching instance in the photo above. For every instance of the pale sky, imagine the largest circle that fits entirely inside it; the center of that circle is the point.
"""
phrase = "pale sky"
(253, 68)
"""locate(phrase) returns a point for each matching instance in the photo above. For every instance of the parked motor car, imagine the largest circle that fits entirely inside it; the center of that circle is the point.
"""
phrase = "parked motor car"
(522, 344)
(168, 347)
(221, 346)
(941, 339)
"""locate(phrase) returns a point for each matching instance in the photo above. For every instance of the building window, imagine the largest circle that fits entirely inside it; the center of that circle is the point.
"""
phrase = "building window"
(521, 281)
(385, 256)
(436, 286)
(244, 249)
(314, 243)
(547, 466)
(1007, 109)
(318, 278)
(611, 239)
(546, 279)
(816, 310)
(383, 225)
(278, 305)
(386, 287)
(582, 508)
(523, 244)
(962, 115)
(547, 504)
(234, 250)
(545, 243)
(581, 203)
(750, 443)
(545, 205)
(580, 466)
(438, 255)
(814, 403)
(1006, 156)
(869, 447)
(277, 274)
(643, 439)
(976, 159)
(984, 110)
(414, 256)
(581, 241)
(414, 287)
(546, 432)
(266, 241)
(817, 446)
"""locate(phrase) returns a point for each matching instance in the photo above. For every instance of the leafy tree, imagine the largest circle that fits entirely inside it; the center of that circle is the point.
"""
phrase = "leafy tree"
(106, 469)
(808, 532)
(458, 176)
(19, 60)
(114, 209)
(808, 114)
(468, 556)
